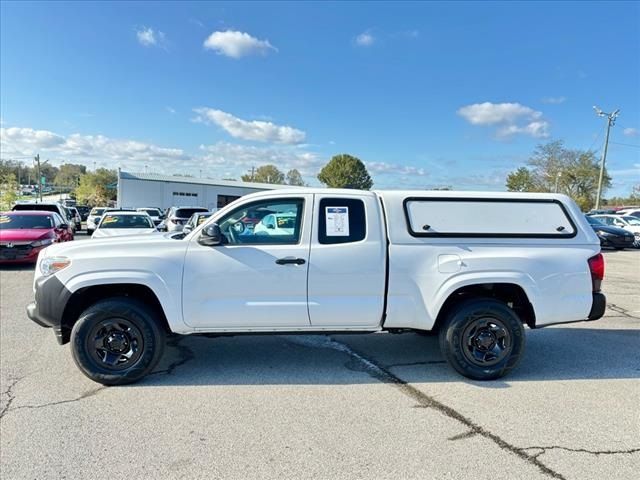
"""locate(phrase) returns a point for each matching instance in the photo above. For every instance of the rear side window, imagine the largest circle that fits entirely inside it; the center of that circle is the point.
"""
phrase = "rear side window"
(341, 220)
(487, 217)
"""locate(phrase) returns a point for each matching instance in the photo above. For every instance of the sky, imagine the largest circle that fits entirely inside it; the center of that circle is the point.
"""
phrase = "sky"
(427, 94)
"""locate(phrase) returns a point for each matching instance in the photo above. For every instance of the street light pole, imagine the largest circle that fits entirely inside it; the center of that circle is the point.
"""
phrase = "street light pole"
(39, 182)
(611, 120)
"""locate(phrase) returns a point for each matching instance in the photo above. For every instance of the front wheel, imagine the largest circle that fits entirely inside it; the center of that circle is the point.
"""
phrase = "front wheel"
(116, 341)
(482, 339)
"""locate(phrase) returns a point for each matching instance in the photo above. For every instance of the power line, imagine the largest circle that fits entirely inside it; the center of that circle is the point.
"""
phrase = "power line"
(626, 144)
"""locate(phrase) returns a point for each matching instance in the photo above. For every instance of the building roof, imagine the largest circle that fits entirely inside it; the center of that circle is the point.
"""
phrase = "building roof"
(155, 177)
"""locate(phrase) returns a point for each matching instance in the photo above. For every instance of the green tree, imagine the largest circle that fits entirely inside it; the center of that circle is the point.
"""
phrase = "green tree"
(8, 188)
(345, 171)
(265, 174)
(295, 178)
(69, 174)
(96, 188)
(573, 172)
(522, 180)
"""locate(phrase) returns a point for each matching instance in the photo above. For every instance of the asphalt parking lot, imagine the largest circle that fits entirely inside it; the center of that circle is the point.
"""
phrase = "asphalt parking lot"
(341, 406)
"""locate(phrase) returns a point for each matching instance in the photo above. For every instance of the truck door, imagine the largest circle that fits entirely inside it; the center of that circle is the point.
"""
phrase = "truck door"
(258, 277)
(347, 264)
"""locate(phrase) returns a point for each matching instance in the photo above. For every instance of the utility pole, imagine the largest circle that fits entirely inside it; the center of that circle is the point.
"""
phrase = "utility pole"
(611, 121)
(39, 182)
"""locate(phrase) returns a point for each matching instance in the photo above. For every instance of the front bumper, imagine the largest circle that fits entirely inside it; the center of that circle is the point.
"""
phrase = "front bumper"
(21, 254)
(48, 308)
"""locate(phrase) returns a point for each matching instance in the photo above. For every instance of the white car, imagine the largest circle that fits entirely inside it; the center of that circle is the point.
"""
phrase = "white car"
(155, 214)
(627, 222)
(276, 224)
(115, 224)
(94, 218)
(634, 212)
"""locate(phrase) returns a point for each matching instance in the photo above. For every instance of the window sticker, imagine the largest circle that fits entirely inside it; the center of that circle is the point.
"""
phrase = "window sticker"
(5, 219)
(337, 221)
(109, 219)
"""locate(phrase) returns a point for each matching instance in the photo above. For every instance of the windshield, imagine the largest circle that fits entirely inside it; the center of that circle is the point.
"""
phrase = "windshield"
(631, 220)
(36, 206)
(151, 212)
(594, 221)
(126, 221)
(97, 211)
(187, 212)
(25, 222)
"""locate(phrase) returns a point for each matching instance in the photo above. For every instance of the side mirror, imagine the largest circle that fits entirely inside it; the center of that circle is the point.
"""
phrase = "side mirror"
(63, 226)
(211, 236)
(187, 229)
(270, 226)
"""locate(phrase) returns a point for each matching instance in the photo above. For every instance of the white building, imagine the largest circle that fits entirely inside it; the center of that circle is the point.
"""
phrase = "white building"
(164, 191)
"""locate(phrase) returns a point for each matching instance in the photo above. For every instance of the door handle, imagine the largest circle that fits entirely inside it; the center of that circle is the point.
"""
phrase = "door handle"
(291, 260)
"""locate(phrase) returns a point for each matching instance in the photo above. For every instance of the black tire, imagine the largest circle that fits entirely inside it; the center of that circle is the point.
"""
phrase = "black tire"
(89, 232)
(482, 338)
(117, 341)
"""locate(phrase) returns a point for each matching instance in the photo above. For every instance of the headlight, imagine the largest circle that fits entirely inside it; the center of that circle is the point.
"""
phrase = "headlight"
(42, 243)
(51, 265)
(603, 233)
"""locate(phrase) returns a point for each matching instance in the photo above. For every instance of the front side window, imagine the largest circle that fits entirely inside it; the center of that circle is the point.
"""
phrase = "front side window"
(277, 222)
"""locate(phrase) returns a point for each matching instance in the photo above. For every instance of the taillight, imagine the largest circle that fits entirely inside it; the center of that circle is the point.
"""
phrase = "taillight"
(177, 221)
(596, 266)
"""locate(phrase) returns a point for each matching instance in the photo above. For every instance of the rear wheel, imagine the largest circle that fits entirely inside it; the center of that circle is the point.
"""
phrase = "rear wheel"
(116, 341)
(482, 339)
(89, 232)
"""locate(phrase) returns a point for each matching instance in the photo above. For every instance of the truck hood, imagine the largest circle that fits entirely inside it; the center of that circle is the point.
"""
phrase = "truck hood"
(129, 245)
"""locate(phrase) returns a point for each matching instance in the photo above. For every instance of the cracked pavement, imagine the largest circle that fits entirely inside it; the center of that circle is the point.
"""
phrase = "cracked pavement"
(339, 406)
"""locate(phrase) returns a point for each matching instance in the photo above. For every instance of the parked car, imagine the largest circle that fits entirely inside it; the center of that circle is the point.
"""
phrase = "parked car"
(634, 212)
(156, 215)
(276, 224)
(117, 223)
(77, 219)
(178, 217)
(195, 221)
(83, 210)
(474, 267)
(94, 219)
(48, 207)
(626, 222)
(24, 233)
(612, 237)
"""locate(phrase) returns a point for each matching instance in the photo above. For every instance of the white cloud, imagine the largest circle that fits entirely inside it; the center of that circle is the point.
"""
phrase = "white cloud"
(554, 100)
(171, 110)
(236, 44)
(631, 132)
(383, 168)
(148, 37)
(84, 148)
(241, 158)
(256, 130)
(512, 118)
(365, 39)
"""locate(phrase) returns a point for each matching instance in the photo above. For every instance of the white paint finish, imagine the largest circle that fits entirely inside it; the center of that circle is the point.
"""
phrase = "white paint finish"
(346, 281)
(488, 217)
(241, 286)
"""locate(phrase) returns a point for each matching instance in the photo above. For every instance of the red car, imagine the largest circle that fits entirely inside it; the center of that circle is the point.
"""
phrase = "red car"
(24, 234)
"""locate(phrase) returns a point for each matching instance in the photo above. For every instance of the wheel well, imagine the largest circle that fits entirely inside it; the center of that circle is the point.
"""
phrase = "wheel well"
(510, 293)
(85, 297)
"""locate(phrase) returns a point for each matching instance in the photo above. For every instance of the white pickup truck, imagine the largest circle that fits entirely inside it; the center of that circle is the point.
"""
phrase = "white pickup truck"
(473, 267)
